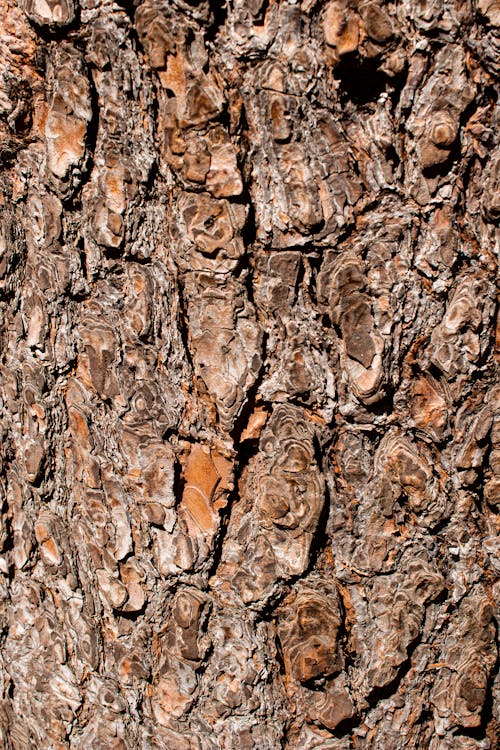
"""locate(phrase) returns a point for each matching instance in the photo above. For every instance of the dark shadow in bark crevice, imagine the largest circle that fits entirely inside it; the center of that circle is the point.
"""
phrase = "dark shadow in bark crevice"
(131, 616)
(219, 11)
(248, 408)
(383, 692)
(362, 81)
(53, 33)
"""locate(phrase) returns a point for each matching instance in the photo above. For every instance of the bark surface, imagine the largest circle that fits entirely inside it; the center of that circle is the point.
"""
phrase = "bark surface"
(250, 412)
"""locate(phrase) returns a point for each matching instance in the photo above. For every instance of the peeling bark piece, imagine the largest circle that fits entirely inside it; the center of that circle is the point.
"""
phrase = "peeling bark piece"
(48, 529)
(226, 343)
(290, 488)
(340, 283)
(139, 311)
(455, 341)
(69, 114)
(312, 737)
(356, 323)
(303, 204)
(212, 231)
(207, 483)
(223, 177)
(51, 13)
(157, 476)
(278, 274)
(491, 191)
(176, 49)
(274, 532)
(232, 689)
(173, 693)
(490, 10)
(441, 136)
(308, 629)
(333, 706)
(183, 637)
(280, 115)
(376, 22)
(174, 552)
(400, 460)
(397, 609)
(341, 27)
(429, 407)
(45, 213)
(133, 577)
(98, 352)
(108, 221)
(436, 120)
(308, 634)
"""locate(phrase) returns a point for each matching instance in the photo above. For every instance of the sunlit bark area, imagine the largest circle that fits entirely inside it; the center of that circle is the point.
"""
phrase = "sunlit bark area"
(249, 400)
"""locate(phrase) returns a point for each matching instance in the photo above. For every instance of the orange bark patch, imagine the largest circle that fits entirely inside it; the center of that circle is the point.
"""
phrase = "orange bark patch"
(207, 476)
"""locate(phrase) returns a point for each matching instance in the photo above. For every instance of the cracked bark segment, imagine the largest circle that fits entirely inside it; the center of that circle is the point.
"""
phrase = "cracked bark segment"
(151, 476)
(194, 96)
(456, 341)
(435, 123)
(382, 502)
(488, 37)
(492, 484)
(104, 716)
(48, 532)
(414, 478)
(468, 655)
(490, 205)
(43, 227)
(354, 27)
(308, 632)
(275, 522)
(312, 737)
(68, 117)
(303, 208)
(363, 349)
(338, 158)
(99, 350)
(441, 136)
(178, 650)
(34, 621)
(391, 629)
(176, 49)
(276, 285)
(286, 178)
(124, 152)
(207, 483)
(301, 368)
(208, 159)
(429, 406)
(226, 342)
(211, 241)
(236, 688)
(358, 290)
(341, 27)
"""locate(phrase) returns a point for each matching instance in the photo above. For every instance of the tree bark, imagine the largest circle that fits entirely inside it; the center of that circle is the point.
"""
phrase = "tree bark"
(250, 409)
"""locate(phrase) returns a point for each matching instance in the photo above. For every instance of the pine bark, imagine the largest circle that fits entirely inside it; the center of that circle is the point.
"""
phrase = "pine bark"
(250, 410)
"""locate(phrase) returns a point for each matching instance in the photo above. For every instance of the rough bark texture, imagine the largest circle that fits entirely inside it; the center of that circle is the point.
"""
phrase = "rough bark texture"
(249, 407)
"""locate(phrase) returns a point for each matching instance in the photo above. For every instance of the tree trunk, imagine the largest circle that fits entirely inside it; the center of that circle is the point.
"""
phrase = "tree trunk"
(250, 410)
